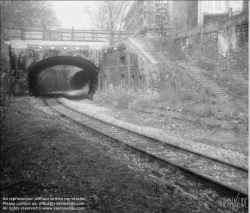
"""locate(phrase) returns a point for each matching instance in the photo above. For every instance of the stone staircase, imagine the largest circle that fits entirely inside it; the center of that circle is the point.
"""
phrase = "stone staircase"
(147, 47)
(198, 74)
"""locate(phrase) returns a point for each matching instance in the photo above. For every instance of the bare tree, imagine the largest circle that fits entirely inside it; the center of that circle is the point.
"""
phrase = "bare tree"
(46, 16)
(109, 16)
(99, 18)
(24, 14)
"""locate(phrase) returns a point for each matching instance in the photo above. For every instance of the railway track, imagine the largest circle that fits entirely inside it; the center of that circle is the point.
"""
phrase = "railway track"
(229, 179)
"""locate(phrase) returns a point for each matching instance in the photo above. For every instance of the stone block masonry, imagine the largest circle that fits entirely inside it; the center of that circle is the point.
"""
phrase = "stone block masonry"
(219, 43)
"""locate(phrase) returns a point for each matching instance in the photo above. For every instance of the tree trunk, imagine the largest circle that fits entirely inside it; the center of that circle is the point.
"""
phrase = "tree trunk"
(111, 33)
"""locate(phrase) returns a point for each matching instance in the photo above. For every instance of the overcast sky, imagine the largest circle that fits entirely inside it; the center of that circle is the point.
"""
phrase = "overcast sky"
(72, 14)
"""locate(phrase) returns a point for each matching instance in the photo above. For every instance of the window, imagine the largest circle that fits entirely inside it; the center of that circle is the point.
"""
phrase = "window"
(218, 6)
(122, 80)
(122, 60)
(140, 82)
(132, 81)
(207, 3)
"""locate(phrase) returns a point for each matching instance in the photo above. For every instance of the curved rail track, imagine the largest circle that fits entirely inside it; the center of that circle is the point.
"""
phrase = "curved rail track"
(227, 178)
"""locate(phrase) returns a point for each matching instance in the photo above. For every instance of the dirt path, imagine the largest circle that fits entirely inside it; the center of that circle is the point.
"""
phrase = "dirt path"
(44, 155)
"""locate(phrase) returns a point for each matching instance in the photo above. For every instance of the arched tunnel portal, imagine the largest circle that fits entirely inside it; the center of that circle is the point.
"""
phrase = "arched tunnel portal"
(79, 80)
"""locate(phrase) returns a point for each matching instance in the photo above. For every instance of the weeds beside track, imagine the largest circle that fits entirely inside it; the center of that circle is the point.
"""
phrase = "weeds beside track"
(225, 177)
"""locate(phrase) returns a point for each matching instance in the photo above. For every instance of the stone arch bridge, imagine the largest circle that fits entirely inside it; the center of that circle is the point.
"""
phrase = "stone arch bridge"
(34, 59)
(84, 64)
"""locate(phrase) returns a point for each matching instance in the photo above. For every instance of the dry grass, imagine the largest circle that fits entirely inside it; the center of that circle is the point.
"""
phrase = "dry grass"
(235, 80)
(206, 65)
(51, 162)
(194, 103)
(119, 97)
(121, 118)
(124, 98)
(200, 105)
(42, 156)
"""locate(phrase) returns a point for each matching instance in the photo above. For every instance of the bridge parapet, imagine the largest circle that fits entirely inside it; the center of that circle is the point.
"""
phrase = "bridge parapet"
(40, 52)
(65, 35)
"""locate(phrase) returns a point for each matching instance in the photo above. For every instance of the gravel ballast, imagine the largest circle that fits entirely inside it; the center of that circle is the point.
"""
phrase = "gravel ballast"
(45, 155)
(110, 115)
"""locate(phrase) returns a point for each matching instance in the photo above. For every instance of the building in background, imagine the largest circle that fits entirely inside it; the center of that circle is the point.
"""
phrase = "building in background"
(213, 10)
(149, 17)
(188, 14)
(145, 17)
(184, 14)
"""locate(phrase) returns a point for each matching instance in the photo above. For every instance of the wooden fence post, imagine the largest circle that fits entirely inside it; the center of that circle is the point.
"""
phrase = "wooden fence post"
(43, 34)
(72, 34)
(61, 36)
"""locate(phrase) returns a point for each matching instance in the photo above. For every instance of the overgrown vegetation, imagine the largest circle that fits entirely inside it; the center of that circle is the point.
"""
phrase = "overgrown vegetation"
(202, 104)
(188, 102)
(236, 87)
(234, 77)
(5, 83)
(120, 97)
(46, 156)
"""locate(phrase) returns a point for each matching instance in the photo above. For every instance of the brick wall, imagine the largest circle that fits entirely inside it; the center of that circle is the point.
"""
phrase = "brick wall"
(120, 69)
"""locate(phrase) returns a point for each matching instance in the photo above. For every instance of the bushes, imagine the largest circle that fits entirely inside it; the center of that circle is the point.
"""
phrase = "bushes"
(118, 97)
(5, 83)
(202, 106)
(206, 65)
(124, 98)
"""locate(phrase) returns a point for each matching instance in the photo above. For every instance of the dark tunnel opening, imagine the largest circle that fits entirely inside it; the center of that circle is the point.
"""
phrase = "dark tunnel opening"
(80, 80)
(82, 63)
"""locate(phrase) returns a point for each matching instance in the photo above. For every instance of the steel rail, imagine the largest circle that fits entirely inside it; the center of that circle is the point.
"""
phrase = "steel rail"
(231, 190)
(166, 143)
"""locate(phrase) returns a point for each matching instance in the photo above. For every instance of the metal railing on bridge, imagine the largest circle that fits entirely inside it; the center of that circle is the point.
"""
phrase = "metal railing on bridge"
(65, 35)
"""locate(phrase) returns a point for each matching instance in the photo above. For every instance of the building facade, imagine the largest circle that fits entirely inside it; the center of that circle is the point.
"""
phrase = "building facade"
(213, 8)
(147, 16)
(120, 69)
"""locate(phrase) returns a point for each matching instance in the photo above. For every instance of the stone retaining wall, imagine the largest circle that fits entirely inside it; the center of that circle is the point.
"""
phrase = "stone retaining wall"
(218, 43)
